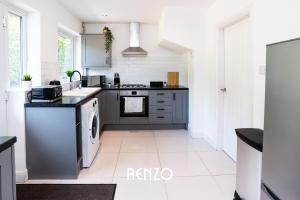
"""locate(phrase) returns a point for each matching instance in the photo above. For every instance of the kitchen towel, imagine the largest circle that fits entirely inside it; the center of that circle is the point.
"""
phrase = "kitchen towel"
(134, 104)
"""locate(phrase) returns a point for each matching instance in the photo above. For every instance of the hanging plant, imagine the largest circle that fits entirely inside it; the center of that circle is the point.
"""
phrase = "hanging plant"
(109, 38)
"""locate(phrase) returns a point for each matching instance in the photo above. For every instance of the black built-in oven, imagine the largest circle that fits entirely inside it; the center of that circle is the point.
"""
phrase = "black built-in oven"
(134, 103)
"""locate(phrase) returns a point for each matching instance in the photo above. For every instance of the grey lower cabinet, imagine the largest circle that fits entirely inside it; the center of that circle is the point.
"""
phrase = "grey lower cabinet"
(168, 107)
(180, 107)
(93, 51)
(112, 107)
(7, 175)
(53, 142)
(101, 98)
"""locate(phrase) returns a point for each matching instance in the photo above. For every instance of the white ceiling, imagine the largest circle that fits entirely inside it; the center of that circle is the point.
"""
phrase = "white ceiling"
(125, 10)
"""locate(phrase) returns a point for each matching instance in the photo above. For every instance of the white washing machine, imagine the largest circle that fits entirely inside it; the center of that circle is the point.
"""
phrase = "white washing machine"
(90, 131)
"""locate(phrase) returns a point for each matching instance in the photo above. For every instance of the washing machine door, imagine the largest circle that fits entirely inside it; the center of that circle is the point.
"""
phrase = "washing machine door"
(94, 128)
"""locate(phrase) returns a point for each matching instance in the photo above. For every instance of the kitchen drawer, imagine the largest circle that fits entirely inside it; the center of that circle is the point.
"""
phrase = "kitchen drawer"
(160, 118)
(160, 101)
(161, 94)
(160, 109)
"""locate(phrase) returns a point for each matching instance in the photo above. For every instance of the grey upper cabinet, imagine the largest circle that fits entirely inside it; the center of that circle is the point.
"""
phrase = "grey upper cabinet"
(180, 107)
(93, 51)
(112, 107)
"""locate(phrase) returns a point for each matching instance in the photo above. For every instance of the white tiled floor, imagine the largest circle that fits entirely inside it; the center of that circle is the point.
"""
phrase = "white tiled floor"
(200, 173)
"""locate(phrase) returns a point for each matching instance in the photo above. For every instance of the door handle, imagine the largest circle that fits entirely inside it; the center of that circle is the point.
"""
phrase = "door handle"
(223, 90)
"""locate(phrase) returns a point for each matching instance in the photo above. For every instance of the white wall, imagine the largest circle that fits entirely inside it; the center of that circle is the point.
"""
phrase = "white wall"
(185, 27)
(43, 21)
(271, 21)
(153, 67)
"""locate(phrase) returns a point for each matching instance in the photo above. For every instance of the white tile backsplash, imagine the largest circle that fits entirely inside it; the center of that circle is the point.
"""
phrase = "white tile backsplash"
(49, 72)
(144, 69)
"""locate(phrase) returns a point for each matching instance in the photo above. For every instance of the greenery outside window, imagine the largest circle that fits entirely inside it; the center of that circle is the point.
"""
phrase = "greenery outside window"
(66, 56)
(15, 48)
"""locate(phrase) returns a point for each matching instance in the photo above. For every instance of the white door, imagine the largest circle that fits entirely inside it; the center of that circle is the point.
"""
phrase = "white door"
(3, 124)
(238, 83)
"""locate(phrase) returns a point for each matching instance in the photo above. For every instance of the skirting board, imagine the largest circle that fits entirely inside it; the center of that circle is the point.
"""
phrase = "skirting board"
(196, 135)
(21, 176)
(211, 142)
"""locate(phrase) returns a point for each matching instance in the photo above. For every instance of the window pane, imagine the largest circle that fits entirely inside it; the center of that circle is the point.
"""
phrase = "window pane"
(15, 49)
(65, 54)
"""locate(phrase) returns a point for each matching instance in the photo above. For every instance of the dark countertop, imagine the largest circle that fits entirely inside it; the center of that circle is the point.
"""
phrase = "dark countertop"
(72, 102)
(64, 102)
(6, 142)
(251, 136)
(147, 88)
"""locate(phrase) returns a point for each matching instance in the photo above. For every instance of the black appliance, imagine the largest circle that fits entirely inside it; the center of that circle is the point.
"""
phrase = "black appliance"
(134, 103)
(55, 82)
(157, 84)
(133, 86)
(117, 81)
(93, 81)
(49, 93)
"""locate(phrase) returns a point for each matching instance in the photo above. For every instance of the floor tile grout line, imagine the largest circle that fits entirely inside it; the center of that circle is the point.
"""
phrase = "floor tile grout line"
(161, 166)
(203, 162)
(118, 159)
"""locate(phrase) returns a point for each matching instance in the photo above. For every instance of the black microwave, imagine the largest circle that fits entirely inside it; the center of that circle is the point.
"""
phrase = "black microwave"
(49, 93)
(93, 81)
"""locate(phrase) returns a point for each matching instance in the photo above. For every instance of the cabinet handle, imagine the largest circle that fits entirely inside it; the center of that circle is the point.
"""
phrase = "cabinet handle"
(160, 94)
(160, 109)
(160, 117)
(174, 96)
(160, 101)
(118, 97)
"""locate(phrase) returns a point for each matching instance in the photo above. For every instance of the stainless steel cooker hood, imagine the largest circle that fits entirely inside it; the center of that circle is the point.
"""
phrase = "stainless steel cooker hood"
(134, 49)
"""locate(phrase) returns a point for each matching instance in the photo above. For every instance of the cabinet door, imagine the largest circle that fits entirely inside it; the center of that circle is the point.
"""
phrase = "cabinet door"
(180, 107)
(101, 108)
(93, 51)
(7, 176)
(112, 107)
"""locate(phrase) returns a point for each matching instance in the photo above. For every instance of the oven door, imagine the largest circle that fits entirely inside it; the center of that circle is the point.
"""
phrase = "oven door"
(134, 106)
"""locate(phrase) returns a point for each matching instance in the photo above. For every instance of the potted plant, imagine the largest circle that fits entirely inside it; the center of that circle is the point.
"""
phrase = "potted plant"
(109, 37)
(27, 81)
(69, 73)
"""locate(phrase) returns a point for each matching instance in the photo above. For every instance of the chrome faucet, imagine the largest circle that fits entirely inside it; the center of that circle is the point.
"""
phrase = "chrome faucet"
(79, 76)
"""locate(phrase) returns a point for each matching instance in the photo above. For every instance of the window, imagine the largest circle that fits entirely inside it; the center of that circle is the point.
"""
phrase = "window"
(65, 54)
(15, 48)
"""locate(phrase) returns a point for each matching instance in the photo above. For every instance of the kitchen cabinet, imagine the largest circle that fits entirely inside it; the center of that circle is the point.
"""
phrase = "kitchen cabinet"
(180, 107)
(101, 98)
(93, 51)
(53, 137)
(112, 107)
(7, 172)
(168, 107)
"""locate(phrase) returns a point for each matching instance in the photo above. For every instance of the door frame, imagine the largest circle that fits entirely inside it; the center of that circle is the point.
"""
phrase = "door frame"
(245, 14)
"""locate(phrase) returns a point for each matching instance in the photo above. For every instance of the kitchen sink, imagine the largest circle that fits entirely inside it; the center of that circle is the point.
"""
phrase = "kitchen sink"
(83, 92)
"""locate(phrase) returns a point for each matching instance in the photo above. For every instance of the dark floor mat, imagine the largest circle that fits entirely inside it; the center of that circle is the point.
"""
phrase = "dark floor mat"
(65, 192)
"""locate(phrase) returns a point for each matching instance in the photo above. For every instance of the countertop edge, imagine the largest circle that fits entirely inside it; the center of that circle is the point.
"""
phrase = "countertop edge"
(9, 141)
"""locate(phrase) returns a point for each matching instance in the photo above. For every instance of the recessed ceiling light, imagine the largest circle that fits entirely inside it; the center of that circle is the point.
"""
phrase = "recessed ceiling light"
(104, 15)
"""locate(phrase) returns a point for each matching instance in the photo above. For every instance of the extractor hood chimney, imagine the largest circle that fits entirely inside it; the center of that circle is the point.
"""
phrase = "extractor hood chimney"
(134, 49)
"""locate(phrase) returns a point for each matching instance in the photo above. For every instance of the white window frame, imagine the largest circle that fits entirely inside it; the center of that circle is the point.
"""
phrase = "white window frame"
(16, 11)
(62, 33)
